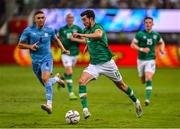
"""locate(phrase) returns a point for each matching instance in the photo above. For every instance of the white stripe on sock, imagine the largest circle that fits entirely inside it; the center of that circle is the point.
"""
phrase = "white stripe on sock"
(82, 94)
(69, 81)
(131, 93)
(149, 88)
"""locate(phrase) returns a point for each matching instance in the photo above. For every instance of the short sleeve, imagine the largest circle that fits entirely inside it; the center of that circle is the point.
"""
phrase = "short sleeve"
(53, 36)
(80, 30)
(159, 37)
(137, 37)
(98, 27)
(60, 33)
(24, 36)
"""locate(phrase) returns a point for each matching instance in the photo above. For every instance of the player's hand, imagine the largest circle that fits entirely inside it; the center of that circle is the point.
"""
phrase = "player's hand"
(146, 50)
(34, 47)
(77, 35)
(66, 52)
(72, 39)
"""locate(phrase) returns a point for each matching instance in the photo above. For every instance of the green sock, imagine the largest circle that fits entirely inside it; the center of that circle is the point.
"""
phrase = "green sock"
(83, 94)
(130, 93)
(69, 81)
(148, 89)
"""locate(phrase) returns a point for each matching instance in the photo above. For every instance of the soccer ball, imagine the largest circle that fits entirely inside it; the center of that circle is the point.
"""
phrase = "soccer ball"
(72, 117)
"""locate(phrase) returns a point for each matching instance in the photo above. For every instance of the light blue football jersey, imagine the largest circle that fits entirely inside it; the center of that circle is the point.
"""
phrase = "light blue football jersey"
(43, 38)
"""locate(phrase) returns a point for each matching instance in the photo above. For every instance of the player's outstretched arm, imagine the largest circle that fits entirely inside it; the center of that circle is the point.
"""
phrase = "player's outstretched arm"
(97, 34)
(60, 45)
(79, 40)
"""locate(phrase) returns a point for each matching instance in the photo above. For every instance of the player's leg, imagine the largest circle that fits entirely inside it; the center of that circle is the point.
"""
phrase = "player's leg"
(37, 72)
(149, 72)
(126, 89)
(68, 77)
(88, 74)
(48, 85)
(46, 69)
(111, 71)
(68, 62)
(140, 68)
(143, 78)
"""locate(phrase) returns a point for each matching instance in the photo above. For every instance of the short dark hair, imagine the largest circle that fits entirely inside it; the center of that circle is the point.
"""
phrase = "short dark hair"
(38, 12)
(88, 13)
(148, 18)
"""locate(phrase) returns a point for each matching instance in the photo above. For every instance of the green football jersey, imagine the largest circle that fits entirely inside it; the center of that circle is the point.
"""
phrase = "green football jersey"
(147, 39)
(98, 48)
(65, 34)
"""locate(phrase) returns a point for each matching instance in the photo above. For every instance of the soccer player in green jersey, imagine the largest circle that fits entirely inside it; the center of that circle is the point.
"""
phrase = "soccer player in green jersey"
(69, 61)
(145, 42)
(101, 62)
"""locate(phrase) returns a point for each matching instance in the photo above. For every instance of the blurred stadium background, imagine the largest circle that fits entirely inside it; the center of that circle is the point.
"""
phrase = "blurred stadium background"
(121, 19)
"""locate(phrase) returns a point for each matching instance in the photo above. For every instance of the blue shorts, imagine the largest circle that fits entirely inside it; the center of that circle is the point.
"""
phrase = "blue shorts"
(42, 67)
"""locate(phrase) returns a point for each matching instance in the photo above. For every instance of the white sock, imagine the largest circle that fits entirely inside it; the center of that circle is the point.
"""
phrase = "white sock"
(72, 93)
(85, 109)
(137, 101)
(57, 78)
(49, 103)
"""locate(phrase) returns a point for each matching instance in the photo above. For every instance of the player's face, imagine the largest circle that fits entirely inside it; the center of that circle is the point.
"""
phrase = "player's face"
(148, 24)
(40, 20)
(86, 21)
(69, 19)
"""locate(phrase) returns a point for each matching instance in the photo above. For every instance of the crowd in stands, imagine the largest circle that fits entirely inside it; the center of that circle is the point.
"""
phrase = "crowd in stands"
(123, 4)
(23, 6)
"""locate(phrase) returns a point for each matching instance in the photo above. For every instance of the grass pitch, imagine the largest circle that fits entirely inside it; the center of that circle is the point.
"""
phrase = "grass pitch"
(21, 96)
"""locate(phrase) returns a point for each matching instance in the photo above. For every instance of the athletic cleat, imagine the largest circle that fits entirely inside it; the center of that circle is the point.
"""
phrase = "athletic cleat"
(61, 83)
(86, 113)
(147, 102)
(72, 96)
(138, 107)
(46, 108)
(62, 77)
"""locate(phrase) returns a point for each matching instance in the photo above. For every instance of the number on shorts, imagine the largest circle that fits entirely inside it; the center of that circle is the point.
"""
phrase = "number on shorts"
(117, 74)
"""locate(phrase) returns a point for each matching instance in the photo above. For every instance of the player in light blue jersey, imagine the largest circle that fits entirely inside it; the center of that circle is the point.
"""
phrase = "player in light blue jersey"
(37, 39)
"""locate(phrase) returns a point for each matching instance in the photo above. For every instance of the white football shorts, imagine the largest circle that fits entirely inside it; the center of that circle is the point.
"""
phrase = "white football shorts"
(68, 61)
(108, 69)
(145, 66)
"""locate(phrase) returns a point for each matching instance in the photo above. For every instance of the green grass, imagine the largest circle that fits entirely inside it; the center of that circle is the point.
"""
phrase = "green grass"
(21, 96)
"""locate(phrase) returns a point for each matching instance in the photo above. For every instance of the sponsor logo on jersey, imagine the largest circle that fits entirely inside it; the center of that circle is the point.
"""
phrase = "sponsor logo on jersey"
(154, 36)
(74, 30)
(46, 34)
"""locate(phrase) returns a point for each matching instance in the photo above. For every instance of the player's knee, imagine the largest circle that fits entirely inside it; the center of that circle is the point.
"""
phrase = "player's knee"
(82, 82)
(69, 72)
(148, 78)
(45, 80)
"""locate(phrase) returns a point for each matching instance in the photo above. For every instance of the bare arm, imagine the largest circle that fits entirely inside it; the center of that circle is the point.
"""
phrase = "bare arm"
(97, 34)
(162, 46)
(79, 40)
(134, 45)
(85, 49)
(60, 45)
(23, 45)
